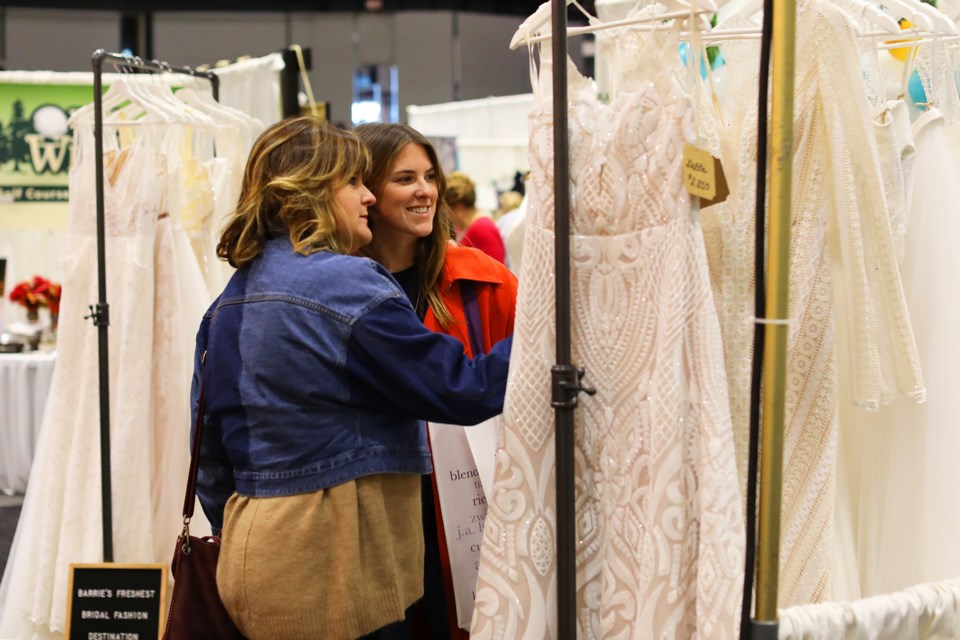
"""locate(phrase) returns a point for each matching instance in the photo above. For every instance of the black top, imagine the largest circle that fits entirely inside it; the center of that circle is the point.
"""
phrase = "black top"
(409, 281)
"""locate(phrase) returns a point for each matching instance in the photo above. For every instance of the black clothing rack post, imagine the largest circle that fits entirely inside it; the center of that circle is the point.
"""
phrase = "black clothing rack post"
(100, 314)
(290, 80)
(566, 378)
(759, 306)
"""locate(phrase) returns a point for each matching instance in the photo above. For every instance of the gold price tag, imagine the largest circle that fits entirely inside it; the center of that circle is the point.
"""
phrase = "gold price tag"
(703, 176)
(698, 173)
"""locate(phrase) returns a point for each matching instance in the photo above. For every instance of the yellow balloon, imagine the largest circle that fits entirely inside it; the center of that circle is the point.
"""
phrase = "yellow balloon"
(900, 53)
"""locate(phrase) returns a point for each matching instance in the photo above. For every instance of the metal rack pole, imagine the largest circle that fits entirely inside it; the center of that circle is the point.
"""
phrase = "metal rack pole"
(566, 378)
(100, 313)
(562, 403)
(765, 625)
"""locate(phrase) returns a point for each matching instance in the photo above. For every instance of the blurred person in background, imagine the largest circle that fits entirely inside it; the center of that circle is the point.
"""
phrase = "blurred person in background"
(475, 228)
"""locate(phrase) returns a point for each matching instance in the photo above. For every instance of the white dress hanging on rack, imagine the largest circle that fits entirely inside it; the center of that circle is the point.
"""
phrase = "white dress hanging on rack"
(61, 520)
(917, 518)
(659, 523)
(181, 298)
(843, 271)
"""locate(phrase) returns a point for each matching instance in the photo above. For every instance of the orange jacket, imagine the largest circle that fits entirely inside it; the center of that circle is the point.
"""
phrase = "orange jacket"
(496, 291)
(495, 288)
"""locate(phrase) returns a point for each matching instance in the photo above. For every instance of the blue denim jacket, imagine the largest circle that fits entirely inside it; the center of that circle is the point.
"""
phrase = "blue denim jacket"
(318, 371)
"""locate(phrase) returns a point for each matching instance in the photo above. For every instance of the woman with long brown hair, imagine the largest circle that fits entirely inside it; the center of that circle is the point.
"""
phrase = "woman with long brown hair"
(446, 283)
(316, 374)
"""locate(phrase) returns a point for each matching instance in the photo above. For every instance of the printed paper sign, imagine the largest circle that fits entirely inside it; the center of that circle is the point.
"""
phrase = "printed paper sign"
(463, 501)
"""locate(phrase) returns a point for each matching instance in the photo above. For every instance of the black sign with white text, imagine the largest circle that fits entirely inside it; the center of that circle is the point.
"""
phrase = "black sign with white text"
(117, 601)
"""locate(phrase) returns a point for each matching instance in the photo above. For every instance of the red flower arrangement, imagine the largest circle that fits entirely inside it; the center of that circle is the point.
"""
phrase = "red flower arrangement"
(38, 292)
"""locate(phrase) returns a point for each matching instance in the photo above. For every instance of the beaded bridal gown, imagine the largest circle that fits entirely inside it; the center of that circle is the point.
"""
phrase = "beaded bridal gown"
(659, 522)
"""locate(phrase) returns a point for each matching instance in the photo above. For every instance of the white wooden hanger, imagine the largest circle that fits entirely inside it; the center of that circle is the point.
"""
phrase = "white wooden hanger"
(528, 31)
(537, 20)
(656, 21)
(943, 22)
(872, 14)
(221, 114)
(909, 9)
(118, 96)
(178, 110)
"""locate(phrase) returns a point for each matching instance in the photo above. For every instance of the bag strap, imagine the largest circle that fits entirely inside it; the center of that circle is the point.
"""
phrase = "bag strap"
(189, 498)
(472, 311)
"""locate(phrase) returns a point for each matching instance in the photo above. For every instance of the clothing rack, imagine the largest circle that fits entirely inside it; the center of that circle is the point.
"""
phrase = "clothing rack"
(567, 379)
(100, 313)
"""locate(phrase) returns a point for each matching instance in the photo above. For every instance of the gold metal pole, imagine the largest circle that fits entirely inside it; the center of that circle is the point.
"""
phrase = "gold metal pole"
(775, 356)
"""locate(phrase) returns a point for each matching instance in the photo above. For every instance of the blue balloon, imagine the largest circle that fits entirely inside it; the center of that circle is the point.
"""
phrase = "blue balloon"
(917, 93)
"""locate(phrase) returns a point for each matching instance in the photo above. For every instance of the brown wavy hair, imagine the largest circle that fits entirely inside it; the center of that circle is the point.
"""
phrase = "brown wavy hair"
(460, 190)
(289, 182)
(385, 141)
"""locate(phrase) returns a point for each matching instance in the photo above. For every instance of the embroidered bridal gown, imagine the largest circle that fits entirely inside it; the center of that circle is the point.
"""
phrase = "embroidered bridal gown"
(659, 522)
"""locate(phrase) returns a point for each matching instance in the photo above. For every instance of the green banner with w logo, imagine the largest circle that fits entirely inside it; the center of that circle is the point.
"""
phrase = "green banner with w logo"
(35, 141)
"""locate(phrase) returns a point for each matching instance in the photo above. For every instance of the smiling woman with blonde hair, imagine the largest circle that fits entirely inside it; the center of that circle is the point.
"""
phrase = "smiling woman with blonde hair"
(313, 366)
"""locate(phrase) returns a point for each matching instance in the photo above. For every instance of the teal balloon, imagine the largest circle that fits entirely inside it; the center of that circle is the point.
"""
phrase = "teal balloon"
(682, 50)
(917, 94)
(718, 61)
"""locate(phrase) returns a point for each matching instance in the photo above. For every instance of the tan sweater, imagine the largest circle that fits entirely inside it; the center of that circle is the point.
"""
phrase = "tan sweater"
(334, 564)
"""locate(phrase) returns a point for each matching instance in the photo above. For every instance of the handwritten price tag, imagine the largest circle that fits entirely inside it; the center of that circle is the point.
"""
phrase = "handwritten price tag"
(698, 173)
(703, 176)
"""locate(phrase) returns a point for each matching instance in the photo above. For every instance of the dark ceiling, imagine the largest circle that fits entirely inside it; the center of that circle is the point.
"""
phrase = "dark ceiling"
(503, 7)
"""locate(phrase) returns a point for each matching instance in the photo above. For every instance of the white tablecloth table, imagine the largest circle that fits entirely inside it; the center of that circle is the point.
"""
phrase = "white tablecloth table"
(24, 384)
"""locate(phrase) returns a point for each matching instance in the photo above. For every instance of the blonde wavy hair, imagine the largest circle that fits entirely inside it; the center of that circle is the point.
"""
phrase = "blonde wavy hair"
(385, 142)
(292, 174)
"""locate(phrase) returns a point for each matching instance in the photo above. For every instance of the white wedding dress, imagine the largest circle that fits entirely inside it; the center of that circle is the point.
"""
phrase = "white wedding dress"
(844, 280)
(915, 520)
(60, 522)
(659, 522)
(157, 297)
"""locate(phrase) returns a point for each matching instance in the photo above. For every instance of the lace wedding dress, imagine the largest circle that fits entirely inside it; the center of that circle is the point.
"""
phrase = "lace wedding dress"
(659, 522)
(843, 278)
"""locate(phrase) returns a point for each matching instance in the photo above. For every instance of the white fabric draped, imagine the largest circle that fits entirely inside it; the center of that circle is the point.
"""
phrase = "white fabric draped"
(24, 386)
(253, 86)
(925, 612)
